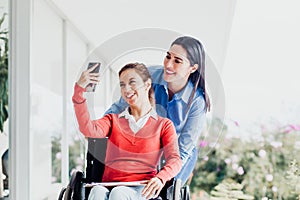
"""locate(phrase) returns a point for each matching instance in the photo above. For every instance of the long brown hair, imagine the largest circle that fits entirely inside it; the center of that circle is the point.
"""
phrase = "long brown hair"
(196, 55)
(143, 72)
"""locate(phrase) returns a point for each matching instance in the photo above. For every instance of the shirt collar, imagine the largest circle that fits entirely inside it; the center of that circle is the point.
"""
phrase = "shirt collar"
(183, 94)
(126, 114)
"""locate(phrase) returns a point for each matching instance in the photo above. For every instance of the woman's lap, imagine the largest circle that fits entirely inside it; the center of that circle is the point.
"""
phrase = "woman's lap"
(117, 193)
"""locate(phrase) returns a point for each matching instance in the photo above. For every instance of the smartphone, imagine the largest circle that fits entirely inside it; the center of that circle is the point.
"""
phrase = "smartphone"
(91, 87)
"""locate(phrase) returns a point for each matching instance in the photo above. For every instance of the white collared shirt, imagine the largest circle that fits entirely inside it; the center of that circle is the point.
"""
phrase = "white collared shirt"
(135, 126)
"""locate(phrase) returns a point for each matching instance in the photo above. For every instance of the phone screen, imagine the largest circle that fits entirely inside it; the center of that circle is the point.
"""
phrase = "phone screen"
(91, 87)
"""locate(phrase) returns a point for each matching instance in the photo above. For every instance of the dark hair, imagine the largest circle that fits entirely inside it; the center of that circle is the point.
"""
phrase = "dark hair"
(196, 55)
(143, 72)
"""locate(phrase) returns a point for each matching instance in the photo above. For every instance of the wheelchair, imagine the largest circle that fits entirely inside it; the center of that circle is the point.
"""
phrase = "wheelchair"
(94, 170)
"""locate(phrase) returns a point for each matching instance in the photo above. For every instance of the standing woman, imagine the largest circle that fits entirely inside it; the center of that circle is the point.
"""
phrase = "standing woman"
(181, 96)
(133, 152)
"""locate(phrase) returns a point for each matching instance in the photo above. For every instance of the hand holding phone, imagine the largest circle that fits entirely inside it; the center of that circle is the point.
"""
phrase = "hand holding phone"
(91, 86)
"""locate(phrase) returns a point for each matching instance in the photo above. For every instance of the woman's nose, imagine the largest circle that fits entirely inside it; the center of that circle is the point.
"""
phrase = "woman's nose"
(127, 88)
(168, 64)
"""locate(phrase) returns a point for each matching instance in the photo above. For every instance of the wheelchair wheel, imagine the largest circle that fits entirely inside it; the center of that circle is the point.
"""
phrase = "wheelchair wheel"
(61, 194)
(185, 193)
(68, 193)
(176, 191)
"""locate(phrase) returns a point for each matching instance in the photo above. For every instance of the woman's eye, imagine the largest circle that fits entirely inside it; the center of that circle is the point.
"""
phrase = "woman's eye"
(122, 85)
(177, 61)
(168, 57)
(132, 82)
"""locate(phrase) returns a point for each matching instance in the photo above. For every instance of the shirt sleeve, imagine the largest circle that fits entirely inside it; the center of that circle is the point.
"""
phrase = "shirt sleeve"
(99, 128)
(170, 148)
(190, 133)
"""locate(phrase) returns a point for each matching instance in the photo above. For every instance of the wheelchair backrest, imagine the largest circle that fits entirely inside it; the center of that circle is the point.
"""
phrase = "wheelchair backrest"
(95, 159)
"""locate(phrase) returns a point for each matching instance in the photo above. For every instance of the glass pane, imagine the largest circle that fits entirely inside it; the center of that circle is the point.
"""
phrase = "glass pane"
(76, 55)
(46, 99)
(4, 132)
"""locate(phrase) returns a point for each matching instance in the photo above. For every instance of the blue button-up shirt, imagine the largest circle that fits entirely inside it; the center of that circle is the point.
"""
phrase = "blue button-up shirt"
(188, 124)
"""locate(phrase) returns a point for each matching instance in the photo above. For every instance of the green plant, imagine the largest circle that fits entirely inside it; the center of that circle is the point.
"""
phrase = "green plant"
(293, 178)
(3, 74)
(259, 165)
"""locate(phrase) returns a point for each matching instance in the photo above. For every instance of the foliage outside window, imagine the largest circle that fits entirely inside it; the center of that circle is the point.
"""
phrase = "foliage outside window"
(3, 73)
(261, 167)
(76, 157)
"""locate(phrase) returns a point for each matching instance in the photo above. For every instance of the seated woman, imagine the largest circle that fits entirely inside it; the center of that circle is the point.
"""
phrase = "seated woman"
(137, 137)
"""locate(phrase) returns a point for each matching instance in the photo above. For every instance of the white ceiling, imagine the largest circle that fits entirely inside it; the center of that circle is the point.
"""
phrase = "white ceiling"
(209, 21)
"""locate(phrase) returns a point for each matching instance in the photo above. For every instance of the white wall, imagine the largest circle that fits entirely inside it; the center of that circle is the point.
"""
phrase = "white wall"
(210, 21)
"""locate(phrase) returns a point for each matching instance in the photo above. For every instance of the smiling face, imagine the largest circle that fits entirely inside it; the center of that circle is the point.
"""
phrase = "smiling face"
(177, 67)
(133, 89)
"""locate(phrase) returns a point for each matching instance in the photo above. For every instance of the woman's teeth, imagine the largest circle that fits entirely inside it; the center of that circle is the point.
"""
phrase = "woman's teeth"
(170, 72)
(129, 96)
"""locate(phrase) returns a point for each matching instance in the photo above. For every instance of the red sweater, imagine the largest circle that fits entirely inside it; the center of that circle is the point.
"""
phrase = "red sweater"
(131, 157)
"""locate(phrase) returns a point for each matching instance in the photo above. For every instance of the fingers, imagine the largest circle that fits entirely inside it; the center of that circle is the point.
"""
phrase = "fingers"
(87, 78)
(153, 188)
(94, 78)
